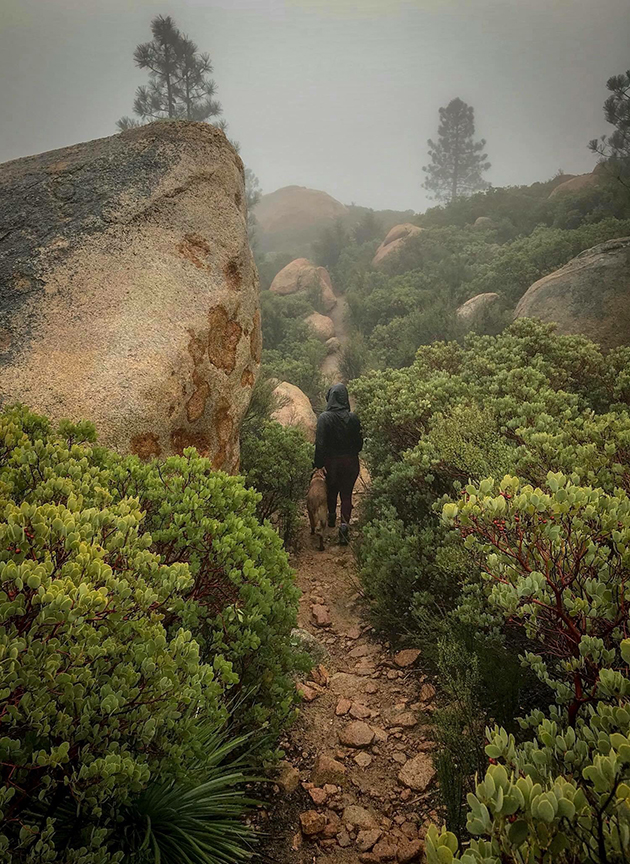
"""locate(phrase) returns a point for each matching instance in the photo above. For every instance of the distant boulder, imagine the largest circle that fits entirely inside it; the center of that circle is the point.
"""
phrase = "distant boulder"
(576, 184)
(589, 295)
(394, 241)
(483, 223)
(333, 345)
(302, 275)
(290, 218)
(474, 307)
(295, 409)
(322, 326)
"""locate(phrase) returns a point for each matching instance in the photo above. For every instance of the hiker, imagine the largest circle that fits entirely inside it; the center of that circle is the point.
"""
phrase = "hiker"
(338, 443)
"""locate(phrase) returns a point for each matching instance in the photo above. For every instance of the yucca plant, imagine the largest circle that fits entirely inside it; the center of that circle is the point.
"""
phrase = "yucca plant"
(200, 819)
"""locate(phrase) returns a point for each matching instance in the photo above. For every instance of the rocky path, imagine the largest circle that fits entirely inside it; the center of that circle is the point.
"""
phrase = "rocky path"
(339, 315)
(357, 783)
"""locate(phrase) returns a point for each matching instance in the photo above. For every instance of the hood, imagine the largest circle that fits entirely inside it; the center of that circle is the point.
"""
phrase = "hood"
(337, 398)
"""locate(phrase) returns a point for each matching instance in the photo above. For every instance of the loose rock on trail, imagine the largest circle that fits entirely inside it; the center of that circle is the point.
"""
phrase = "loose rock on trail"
(361, 782)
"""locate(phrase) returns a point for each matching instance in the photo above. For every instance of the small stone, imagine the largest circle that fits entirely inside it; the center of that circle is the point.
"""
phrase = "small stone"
(356, 734)
(320, 675)
(363, 760)
(406, 658)
(358, 817)
(359, 712)
(361, 651)
(405, 795)
(343, 706)
(333, 824)
(309, 694)
(371, 687)
(367, 839)
(321, 615)
(328, 770)
(384, 851)
(418, 773)
(288, 777)
(410, 830)
(312, 822)
(367, 858)
(380, 734)
(344, 839)
(318, 796)
(327, 844)
(391, 674)
(410, 851)
(353, 633)
(296, 842)
(406, 720)
(329, 789)
(399, 757)
(427, 692)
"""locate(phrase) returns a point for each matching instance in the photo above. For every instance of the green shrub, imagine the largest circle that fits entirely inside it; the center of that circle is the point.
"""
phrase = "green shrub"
(555, 561)
(132, 597)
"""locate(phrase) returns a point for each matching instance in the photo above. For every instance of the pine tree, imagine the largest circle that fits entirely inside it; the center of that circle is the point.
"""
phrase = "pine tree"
(179, 86)
(615, 148)
(457, 161)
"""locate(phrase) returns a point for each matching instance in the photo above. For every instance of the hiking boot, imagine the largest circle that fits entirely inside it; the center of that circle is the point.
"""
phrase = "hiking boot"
(332, 520)
(344, 533)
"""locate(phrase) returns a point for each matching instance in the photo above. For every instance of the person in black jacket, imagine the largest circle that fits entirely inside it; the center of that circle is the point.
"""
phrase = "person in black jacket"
(338, 442)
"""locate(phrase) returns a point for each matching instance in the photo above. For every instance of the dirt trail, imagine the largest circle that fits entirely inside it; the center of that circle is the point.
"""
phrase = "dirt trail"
(358, 781)
(339, 315)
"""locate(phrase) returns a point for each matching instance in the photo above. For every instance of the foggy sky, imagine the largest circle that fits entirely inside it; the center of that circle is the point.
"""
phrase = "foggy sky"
(339, 95)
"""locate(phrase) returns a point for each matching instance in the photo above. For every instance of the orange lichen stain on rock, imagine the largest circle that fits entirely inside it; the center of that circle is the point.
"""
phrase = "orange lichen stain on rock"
(182, 438)
(256, 339)
(233, 275)
(223, 338)
(196, 405)
(197, 345)
(146, 445)
(195, 249)
(247, 378)
(224, 427)
(22, 282)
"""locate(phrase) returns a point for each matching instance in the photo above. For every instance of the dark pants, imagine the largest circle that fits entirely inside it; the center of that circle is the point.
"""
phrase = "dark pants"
(341, 475)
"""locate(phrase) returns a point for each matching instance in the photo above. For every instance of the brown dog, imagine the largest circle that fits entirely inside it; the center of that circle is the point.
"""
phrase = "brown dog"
(316, 504)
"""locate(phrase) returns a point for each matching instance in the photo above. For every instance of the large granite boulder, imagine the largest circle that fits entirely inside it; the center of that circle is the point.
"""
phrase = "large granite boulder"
(394, 242)
(128, 293)
(302, 275)
(322, 326)
(476, 306)
(295, 409)
(589, 295)
(576, 184)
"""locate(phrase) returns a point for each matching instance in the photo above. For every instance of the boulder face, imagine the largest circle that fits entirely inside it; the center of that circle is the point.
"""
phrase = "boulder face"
(476, 305)
(394, 241)
(576, 184)
(302, 275)
(322, 326)
(589, 295)
(295, 409)
(483, 223)
(290, 217)
(129, 295)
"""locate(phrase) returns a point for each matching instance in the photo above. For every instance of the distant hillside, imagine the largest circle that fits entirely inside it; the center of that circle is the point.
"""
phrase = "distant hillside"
(290, 219)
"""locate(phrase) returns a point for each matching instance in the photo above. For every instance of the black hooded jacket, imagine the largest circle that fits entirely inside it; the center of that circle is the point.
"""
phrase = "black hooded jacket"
(338, 429)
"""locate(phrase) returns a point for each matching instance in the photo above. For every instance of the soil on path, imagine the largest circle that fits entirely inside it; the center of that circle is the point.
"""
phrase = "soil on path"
(358, 781)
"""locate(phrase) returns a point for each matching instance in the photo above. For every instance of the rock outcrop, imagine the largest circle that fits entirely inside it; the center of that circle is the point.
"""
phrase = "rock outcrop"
(469, 310)
(576, 184)
(322, 326)
(483, 223)
(302, 275)
(295, 409)
(589, 295)
(394, 241)
(291, 217)
(128, 291)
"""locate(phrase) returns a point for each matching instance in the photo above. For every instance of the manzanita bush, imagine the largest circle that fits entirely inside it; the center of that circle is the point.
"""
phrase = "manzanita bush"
(133, 598)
